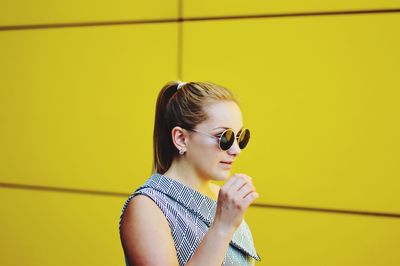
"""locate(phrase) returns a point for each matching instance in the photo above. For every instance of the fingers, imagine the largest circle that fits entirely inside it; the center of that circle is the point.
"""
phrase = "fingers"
(239, 182)
(249, 198)
(235, 178)
(246, 189)
(241, 187)
(229, 183)
(234, 198)
(246, 192)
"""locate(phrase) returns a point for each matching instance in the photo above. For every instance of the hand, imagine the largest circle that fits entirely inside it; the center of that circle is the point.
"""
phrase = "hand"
(234, 197)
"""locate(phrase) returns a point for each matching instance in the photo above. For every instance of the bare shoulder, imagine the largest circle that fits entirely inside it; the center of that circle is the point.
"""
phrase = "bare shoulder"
(144, 229)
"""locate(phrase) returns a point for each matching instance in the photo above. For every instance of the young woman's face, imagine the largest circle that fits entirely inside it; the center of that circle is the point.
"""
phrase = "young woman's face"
(203, 152)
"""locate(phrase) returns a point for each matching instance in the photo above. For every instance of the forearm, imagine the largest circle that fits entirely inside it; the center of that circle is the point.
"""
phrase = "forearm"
(212, 249)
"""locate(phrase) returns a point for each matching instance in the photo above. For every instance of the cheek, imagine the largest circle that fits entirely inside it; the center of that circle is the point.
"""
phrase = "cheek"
(208, 154)
(212, 159)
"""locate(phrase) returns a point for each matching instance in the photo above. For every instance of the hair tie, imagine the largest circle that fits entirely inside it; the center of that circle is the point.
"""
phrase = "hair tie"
(181, 83)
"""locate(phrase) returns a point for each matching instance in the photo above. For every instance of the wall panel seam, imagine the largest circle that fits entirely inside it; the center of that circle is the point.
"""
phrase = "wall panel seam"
(188, 19)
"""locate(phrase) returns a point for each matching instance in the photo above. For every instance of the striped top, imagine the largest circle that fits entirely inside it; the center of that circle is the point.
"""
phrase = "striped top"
(190, 214)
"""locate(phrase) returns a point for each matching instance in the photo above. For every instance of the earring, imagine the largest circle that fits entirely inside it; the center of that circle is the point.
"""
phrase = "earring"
(181, 151)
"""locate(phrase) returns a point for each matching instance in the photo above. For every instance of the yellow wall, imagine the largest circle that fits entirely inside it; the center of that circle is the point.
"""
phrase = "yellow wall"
(78, 85)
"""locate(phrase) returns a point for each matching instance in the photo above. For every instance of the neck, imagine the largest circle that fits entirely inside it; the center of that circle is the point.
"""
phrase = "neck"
(183, 172)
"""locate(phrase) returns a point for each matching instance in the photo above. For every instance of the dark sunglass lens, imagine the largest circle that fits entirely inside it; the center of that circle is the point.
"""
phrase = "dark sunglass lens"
(227, 140)
(244, 138)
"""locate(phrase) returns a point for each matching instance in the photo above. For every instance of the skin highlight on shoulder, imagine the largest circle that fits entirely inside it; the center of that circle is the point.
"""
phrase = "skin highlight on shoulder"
(143, 219)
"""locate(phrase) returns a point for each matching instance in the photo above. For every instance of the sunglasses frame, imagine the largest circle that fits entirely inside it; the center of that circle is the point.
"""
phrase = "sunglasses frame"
(220, 137)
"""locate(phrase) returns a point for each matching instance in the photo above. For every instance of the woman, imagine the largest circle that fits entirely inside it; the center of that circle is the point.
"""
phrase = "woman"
(178, 217)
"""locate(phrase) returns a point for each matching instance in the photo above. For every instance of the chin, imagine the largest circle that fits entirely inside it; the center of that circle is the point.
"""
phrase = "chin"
(222, 175)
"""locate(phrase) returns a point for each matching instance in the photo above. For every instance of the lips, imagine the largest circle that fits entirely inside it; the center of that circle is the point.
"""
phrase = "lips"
(227, 165)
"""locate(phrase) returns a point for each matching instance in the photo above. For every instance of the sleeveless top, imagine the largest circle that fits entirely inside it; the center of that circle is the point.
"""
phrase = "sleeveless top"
(189, 214)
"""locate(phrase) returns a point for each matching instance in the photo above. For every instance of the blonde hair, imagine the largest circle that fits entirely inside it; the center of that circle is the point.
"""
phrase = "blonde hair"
(184, 107)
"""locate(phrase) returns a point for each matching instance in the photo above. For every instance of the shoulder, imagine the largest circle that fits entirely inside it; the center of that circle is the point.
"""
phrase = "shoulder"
(144, 229)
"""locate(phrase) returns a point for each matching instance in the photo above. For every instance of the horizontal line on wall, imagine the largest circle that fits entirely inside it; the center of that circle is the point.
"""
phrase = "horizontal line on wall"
(84, 24)
(300, 14)
(257, 205)
(187, 19)
(313, 209)
(60, 189)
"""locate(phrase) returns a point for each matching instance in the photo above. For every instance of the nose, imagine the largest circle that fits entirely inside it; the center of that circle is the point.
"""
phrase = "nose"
(234, 149)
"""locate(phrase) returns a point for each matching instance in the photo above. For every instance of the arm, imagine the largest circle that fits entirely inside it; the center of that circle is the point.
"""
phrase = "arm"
(145, 234)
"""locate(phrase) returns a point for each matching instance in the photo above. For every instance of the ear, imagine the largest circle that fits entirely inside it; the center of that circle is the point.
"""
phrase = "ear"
(179, 137)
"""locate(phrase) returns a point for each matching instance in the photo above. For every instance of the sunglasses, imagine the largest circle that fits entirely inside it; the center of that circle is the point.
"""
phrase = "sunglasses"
(227, 138)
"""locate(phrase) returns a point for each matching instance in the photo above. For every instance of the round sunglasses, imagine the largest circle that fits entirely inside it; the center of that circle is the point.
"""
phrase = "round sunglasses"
(227, 138)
